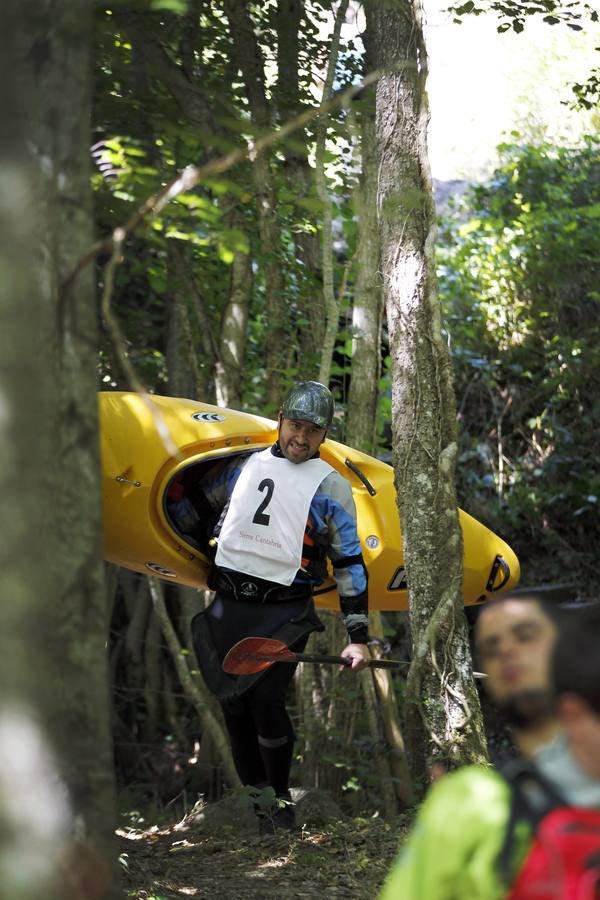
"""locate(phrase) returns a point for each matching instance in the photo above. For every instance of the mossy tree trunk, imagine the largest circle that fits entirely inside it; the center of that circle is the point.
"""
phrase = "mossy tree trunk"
(442, 712)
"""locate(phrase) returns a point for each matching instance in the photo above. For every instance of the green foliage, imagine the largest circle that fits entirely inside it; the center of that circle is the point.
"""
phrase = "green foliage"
(519, 282)
(587, 94)
(144, 139)
(168, 94)
(514, 13)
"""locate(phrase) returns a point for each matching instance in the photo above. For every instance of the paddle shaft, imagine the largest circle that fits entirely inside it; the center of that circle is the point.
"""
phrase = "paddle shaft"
(319, 658)
(292, 657)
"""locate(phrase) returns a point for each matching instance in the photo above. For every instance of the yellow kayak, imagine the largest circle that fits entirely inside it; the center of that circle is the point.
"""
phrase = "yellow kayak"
(155, 452)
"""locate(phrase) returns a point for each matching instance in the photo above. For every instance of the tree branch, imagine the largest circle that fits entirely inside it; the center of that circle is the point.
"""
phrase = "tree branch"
(194, 175)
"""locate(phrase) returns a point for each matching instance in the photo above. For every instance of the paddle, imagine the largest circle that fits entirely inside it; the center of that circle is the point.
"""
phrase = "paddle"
(254, 654)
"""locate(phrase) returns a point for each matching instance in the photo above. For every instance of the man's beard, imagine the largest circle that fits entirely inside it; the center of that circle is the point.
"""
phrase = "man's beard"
(527, 709)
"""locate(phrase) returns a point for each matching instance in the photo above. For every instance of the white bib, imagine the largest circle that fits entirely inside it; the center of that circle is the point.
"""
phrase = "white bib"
(263, 530)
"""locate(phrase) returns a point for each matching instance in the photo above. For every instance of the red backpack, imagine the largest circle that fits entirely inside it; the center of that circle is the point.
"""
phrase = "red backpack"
(563, 862)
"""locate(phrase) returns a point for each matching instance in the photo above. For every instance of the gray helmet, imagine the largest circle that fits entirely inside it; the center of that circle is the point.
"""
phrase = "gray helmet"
(309, 401)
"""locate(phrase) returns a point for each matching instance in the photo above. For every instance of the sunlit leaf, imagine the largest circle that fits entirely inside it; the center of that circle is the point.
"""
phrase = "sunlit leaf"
(180, 7)
(226, 254)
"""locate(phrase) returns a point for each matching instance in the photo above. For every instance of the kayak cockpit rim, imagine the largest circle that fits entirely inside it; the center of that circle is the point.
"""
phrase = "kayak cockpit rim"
(185, 508)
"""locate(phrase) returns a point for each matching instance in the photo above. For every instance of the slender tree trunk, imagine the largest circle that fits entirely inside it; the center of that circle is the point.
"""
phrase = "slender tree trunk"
(149, 58)
(443, 714)
(207, 344)
(182, 363)
(192, 683)
(153, 663)
(310, 725)
(368, 306)
(183, 84)
(192, 358)
(384, 686)
(137, 604)
(250, 61)
(361, 420)
(379, 755)
(229, 367)
(330, 298)
(300, 181)
(328, 705)
(319, 710)
(111, 583)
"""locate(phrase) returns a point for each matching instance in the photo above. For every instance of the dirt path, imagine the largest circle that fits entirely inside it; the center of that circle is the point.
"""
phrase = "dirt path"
(193, 859)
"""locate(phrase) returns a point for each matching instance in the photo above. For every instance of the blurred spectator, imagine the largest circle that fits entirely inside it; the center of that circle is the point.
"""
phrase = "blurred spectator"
(471, 838)
(576, 680)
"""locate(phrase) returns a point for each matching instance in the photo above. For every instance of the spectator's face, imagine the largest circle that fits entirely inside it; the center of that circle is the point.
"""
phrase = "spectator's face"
(299, 439)
(582, 729)
(514, 641)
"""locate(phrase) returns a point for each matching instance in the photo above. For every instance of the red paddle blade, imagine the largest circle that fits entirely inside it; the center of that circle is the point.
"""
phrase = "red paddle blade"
(254, 654)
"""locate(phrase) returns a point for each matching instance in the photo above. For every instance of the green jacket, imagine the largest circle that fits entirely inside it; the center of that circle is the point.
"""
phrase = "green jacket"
(452, 850)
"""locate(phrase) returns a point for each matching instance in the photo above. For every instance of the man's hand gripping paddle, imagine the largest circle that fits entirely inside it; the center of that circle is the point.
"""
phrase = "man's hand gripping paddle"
(253, 654)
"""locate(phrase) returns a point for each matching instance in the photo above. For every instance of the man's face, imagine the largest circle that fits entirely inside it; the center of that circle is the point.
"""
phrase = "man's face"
(514, 641)
(299, 439)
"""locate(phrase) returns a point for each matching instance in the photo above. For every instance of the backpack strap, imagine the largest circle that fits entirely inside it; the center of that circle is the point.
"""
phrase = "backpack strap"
(532, 797)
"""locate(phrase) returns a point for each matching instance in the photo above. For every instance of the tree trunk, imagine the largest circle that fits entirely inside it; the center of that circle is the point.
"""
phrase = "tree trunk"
(190, 370)
(192, 683)
(300, 182)
(330, 299)
(30, 845)
(329, 703)
(250, 61)
(182, 363)
(368, 307)
(137, 604)
(207, 351)
(153, 664)
(55, 694)
(443, 714)
(229, 367)
(111, 583)
(384, 686)
(361, 417)
(379, 756)
(184, 86)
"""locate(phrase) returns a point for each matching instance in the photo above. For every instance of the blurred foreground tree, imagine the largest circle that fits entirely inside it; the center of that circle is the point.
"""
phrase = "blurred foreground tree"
(56, 783)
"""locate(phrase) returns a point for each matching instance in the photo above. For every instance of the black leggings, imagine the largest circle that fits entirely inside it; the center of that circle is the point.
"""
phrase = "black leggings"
(261, 731)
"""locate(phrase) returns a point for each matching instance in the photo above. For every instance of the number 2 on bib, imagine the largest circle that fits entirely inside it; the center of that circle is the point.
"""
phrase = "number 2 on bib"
(259, 517)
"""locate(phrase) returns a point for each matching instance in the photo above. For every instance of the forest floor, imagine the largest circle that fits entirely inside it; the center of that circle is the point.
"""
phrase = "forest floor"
(216, 851)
